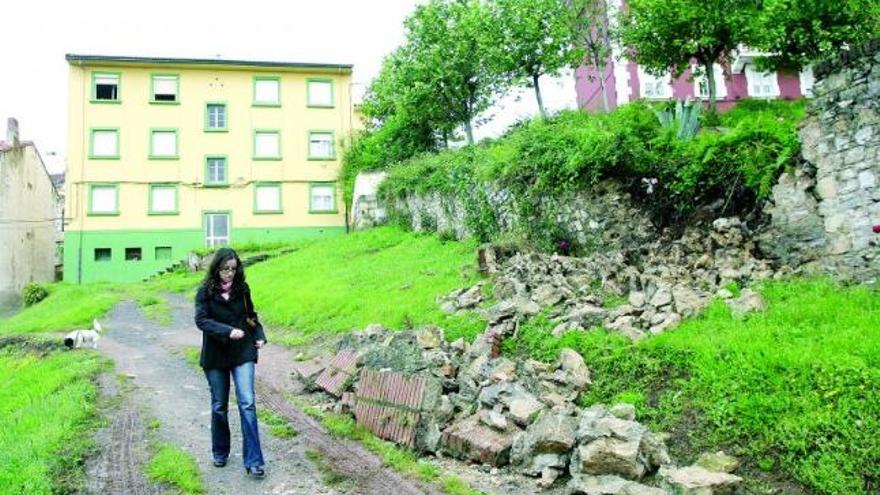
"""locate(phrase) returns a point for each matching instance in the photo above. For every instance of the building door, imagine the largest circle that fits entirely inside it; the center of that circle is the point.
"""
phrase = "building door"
(216, 229)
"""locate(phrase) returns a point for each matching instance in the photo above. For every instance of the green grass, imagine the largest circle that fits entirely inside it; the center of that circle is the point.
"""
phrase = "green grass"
(75, 306)
(329, 475)
(794, 390)
(401, 460)
(48, 412)
(278, 426)
(192, 355)
(174, 466)
(382, 275)
(67, 307)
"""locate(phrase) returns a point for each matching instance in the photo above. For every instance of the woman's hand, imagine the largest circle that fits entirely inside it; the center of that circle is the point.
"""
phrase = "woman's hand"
(259, 343)
(236, 334)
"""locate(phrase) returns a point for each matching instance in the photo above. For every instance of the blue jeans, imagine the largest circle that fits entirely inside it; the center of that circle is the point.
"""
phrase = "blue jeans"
(218, 379)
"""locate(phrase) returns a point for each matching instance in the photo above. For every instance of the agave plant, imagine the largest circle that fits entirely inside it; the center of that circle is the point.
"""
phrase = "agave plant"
(684, 117)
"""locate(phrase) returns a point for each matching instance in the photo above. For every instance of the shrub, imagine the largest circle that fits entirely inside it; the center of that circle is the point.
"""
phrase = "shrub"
(546, 158)
(33, 293)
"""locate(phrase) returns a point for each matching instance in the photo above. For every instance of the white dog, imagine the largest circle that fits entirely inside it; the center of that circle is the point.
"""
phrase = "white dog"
(84, 338)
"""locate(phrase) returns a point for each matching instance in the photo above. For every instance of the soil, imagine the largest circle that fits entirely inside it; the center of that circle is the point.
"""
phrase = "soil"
(164, 387)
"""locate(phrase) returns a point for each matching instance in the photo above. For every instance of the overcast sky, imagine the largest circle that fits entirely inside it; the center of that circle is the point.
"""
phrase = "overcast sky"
(36, 34)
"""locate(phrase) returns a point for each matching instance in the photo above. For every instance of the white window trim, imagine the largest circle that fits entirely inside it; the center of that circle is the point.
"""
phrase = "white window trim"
(258, 208)
(720, 82)
(752, 73)
(644, 78)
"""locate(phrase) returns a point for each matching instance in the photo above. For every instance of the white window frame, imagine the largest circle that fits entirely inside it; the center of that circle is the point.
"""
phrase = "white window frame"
(172, 208)
(94, 142)
(274, 200)
(258, 155)
(212, 239)
(720, 82)
(649, 80)
(312, 84)
(154, 153)
(807, 80)
(260, 99)
(209, 178)
(164, 78)
(762, 80)
(106, 75)
(319, 186)
(109, 191)
(321, 137)
(217, 117)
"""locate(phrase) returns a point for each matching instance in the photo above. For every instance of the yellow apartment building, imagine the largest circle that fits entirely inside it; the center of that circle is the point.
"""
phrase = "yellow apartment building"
(167, 155)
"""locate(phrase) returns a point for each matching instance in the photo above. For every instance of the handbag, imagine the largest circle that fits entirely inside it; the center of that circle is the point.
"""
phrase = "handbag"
(251, 318)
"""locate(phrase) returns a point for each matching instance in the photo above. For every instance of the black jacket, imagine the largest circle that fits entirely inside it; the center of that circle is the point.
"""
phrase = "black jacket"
(216, 317)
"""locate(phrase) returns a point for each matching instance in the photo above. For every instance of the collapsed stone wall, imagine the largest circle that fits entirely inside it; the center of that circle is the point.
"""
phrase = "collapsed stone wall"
(824, 213)
(603, 217)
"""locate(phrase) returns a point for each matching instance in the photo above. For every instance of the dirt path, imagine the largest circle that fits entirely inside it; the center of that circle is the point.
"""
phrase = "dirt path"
(175, 393)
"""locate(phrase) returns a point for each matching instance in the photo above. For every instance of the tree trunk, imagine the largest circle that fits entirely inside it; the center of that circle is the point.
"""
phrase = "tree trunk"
(538, 96)
(605, 105)
(710, 80)
(469, 132)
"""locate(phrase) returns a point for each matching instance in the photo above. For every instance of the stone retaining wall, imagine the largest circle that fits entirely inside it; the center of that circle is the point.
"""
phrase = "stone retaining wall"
(823, 213)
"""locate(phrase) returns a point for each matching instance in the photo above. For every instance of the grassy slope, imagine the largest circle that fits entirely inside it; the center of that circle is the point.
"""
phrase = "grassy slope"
(795, 389)
(382, 276)
(47, 411)
(75, 306)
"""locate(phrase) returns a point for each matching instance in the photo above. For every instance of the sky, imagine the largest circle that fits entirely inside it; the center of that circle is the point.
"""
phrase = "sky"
(36, 34)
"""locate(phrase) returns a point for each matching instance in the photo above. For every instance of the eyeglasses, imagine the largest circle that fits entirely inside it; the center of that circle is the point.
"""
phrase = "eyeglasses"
(228, 270)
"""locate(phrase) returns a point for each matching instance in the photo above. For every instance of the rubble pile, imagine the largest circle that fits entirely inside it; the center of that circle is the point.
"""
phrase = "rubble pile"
(469, 402)
(645, 290)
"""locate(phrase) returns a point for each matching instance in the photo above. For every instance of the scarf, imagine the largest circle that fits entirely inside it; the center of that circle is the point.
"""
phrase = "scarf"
(225, 289)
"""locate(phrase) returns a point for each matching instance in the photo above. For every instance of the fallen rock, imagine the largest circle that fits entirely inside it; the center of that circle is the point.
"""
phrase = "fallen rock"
(609, 456)
(671, 320)
(624, 411)
(718, 461)
(747, 302)
(524, 410)
(662, 297)
(549, 434)
(471, 440)
(585, 484)
(573, 364)
(493, 419)
(694, 480)
(430, 337)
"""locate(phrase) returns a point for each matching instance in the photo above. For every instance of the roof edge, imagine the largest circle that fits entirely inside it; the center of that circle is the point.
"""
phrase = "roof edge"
(79, 59)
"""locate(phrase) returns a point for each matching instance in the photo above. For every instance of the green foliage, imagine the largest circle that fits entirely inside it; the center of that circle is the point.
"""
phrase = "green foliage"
(667, 35)
(48, 415)
(67, 307)
(683, 117)
(33, 293)
(405, 462)
(573, 151)
(537, 37)
(591, 32)
(175, 466)
(794, 390)
(382, 275)
(278, 426)
(799, 32)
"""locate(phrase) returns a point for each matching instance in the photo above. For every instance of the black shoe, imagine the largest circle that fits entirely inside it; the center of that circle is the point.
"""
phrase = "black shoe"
(219, 462)
(255, 472)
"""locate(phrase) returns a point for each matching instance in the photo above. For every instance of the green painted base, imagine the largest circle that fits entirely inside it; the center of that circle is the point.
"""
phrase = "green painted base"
(132, 255)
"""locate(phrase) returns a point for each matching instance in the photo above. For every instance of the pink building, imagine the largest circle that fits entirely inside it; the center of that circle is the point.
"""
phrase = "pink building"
(626, 81)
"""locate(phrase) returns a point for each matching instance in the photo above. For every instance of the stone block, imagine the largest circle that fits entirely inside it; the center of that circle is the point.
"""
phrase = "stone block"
(469, 439)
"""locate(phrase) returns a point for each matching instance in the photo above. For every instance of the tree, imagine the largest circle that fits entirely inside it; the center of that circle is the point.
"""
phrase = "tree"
(796, 33)
(454, 47)
(537, 40)
(591, 31)
(666, 35)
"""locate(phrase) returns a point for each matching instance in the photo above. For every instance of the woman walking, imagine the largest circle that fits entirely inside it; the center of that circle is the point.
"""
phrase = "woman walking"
(231, 335)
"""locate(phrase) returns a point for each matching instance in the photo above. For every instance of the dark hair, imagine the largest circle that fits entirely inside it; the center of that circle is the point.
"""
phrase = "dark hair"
(212, 276)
